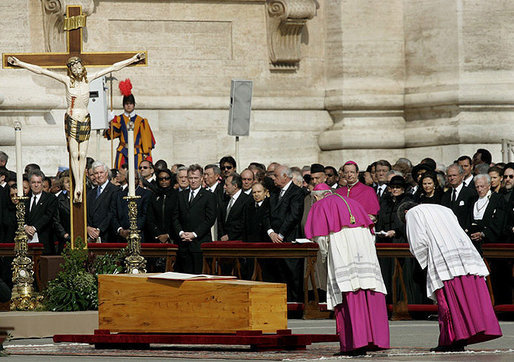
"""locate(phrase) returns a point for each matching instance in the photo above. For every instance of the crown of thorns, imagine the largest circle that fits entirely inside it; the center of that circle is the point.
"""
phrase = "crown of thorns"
(73, 60)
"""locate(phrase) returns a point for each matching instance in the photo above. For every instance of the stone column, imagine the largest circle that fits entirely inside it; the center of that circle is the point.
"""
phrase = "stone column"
(459, 75)
(365, 70)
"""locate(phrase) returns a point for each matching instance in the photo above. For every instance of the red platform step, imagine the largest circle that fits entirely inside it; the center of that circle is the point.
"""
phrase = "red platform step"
(282, 340)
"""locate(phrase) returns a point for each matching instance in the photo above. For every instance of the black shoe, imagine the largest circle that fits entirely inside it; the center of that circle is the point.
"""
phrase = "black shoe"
(456, 347)
(440, 349)
(355, 352)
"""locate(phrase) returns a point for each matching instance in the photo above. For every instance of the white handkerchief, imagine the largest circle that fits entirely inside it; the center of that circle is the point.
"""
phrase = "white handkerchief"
(461, 203)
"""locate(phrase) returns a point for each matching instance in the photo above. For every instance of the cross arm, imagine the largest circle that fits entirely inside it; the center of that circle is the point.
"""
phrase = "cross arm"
(139, 57)
(36, 69)
(46, 60)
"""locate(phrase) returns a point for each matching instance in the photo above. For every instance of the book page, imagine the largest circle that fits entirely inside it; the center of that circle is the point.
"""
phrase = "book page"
(185, 276)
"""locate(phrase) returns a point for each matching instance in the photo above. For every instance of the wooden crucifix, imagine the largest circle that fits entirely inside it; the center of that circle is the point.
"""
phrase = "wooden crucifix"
(77, 123)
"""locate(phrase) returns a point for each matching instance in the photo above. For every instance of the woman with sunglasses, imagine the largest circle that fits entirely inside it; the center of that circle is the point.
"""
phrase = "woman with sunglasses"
(159, 222)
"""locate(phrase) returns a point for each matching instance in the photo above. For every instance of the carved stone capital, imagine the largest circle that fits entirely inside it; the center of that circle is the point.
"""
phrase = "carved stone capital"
(286, 20)
(53, 21)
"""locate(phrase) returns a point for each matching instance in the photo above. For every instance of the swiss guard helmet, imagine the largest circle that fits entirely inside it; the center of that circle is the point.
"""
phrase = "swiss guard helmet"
(126, 90)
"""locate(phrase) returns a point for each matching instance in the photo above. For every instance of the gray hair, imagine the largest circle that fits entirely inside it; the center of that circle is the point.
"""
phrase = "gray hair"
(182, 168)
(195, 167)
(214, 167)
(3, 156)
(321, 192)
(286, 171)
(483, 176)
(236, 180)
(97, 164)
(395, 172)
(404, 161)
(37, 173)
(482, 168)
(297, 176)
(457, 166)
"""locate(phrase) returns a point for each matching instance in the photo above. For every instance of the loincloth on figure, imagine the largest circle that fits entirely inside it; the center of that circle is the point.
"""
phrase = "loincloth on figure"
(78, 130)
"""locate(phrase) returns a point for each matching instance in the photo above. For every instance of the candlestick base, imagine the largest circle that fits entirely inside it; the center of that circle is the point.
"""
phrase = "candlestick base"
(134, 262)
(23, 296)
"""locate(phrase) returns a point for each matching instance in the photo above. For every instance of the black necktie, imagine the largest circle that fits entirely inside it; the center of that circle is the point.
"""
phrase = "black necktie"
(191, 197)
(33, 203)
(454, 195)
(230, 204)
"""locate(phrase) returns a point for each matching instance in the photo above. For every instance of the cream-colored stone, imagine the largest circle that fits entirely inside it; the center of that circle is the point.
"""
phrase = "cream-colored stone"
(376, 79)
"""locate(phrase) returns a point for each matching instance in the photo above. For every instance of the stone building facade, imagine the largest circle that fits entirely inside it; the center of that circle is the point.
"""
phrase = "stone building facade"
(332, 79)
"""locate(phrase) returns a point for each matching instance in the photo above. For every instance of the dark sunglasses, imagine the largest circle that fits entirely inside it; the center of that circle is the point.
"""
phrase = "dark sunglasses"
(164, 178)
(143, 167)
(227, 168)
(509, 176)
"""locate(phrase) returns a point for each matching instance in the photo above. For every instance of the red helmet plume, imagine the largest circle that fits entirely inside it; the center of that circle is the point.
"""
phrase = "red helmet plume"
(126, 87)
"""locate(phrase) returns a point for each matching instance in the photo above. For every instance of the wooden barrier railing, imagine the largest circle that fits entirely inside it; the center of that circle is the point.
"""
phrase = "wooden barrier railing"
(400, 308)
(217, 250)
(237, 249)
(148, 250)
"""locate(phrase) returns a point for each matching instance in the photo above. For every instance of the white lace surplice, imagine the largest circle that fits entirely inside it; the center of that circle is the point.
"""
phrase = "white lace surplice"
(439, 243)
(352, 263)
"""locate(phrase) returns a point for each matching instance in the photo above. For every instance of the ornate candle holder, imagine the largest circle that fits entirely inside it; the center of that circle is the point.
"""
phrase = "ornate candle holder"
(134, 262)
(23, 297)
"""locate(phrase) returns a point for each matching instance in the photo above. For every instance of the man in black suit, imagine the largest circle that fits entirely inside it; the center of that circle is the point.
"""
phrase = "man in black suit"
(62, 223)
(148, 177)
(192, 219)
(40, 213)
(231, 221)
(212, 178)
(257, 217)
(466, 164)
(233, 210)
(458, 197)
(99, 201)
(120, 213)
(382, 167)
(286, 209)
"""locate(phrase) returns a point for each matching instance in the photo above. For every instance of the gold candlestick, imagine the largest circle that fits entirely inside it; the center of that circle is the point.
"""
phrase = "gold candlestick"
(134, 262)
(23, 297)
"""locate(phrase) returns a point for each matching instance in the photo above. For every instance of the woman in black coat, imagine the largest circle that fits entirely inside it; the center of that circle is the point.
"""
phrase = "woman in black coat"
(159, 223)
(430, 191)
(390, 229)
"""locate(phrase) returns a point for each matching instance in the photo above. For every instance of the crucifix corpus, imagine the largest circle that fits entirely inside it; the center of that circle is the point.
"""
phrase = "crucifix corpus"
(77, 122)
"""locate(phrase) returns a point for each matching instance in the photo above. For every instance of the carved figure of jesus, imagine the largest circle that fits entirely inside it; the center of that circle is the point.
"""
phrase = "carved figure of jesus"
(76, 121)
